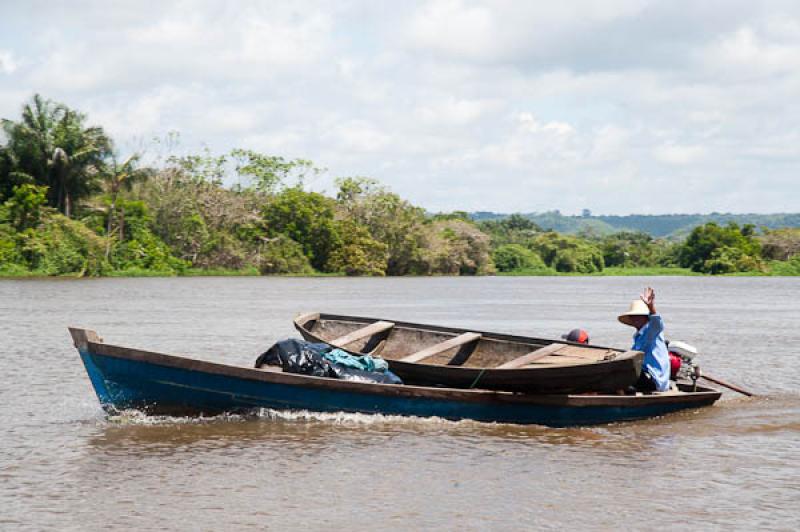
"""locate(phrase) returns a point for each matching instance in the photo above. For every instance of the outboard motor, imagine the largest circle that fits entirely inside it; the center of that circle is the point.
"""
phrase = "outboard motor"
(689, 369)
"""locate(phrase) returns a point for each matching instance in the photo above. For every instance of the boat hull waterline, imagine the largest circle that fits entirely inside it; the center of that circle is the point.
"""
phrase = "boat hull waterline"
(156, 383)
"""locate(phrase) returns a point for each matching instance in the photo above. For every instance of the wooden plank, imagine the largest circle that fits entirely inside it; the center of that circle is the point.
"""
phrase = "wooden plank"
(302, 319)
(533, 356)
(459, 340)
(364, 332)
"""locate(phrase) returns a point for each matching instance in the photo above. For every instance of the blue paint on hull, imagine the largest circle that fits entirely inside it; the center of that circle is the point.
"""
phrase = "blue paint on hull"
(124, 383)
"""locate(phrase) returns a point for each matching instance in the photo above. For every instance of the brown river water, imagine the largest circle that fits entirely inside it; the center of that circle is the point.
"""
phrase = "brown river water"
(64, 465)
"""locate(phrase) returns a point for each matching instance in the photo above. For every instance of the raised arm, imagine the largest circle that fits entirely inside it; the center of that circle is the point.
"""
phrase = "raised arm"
(649, 298)
(656, 324)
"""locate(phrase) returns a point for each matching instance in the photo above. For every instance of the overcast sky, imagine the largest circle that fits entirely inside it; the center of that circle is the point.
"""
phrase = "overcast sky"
(619, 106)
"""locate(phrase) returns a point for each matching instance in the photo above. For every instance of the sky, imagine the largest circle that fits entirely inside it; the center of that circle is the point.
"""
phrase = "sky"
(617, 106)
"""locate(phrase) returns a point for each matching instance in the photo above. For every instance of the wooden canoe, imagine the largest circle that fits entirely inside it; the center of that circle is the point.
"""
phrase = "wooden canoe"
(126, 378)
(430, 355)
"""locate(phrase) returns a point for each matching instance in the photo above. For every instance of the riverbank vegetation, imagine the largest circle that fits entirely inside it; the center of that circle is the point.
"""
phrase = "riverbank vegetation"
(70, 204)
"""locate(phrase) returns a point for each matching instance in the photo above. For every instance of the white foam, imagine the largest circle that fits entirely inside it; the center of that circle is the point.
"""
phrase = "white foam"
(349, 418)
(137, 417)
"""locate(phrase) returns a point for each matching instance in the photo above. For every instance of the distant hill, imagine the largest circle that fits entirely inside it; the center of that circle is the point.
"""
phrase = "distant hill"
(657, 225)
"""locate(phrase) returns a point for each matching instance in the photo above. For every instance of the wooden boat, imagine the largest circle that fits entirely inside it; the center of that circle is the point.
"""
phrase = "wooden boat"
(166, 384)
(430, 355)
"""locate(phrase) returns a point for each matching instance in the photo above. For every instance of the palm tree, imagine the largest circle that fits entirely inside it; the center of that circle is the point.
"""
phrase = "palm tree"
(51, 146)
(116, 177)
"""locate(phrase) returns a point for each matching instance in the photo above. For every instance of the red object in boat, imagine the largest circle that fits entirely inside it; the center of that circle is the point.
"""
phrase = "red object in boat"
(674, 365)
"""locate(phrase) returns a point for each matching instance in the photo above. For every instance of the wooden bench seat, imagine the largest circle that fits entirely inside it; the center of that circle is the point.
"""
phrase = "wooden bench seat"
(364, 332)
(428, 352)
(533, 356)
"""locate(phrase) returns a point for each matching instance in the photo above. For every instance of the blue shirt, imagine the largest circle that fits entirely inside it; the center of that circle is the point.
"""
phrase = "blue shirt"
(650, 340)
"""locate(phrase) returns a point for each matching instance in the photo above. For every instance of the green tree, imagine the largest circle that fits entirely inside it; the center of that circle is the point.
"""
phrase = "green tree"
(118, 176)
(456, 247)
(203, 222)
(780, 244)
(629, 248)
(200, 168)
(359, 253)
(7, 180)
(568, 253)
(51, 146)
(511, 257)
(138, 247)
(711, 248)
(728, 259)
(25, 206)
(516, 229)
(308, 219)
(266, 172)
(389, 219)
(60, 246)
(282, 255)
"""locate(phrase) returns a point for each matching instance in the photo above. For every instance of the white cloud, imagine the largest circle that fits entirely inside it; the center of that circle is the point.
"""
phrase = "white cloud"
(505, 30)
(454, 111)
(357, 136)
(678, 154)
(462, 104)
(745, 53)
(609, 142)
(528, 123)
(8, 63)
(452, 27)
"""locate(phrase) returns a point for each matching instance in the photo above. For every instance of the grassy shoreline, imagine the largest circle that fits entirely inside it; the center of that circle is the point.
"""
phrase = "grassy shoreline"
(607, 272)
(253, 272)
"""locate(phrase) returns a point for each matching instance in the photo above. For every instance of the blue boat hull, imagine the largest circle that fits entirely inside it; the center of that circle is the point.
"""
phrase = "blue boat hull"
(157, 383)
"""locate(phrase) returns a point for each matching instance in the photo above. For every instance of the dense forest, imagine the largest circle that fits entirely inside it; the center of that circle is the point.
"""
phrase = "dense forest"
(70, 204)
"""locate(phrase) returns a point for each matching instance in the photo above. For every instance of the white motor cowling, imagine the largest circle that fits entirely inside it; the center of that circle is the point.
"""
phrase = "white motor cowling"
(689, 369)
(683, 350)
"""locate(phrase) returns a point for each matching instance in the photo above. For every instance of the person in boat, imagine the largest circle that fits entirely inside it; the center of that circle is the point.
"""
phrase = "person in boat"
(649, 338)
(577, 335)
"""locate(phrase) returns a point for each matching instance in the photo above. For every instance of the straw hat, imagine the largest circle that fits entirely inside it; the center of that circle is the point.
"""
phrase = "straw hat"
(637, 308)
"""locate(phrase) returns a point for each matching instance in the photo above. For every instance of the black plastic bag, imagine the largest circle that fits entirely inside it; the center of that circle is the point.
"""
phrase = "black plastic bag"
(297, 356)
(306, 358)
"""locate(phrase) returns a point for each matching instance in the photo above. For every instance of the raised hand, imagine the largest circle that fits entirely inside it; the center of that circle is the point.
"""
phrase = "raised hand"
(649, 298)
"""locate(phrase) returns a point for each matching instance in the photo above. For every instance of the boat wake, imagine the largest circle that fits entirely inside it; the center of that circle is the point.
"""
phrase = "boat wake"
(138, 417)
(349, 418)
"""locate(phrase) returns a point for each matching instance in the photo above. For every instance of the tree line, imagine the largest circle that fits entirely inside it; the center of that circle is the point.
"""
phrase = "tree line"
(71, 205)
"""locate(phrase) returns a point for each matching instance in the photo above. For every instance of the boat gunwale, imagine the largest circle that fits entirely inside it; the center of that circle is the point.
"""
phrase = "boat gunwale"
(701, 395)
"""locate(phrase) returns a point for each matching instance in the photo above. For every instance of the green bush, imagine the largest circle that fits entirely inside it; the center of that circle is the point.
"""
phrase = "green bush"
(390, 220)
(456, 247)
(139, 248)
(511, 257)
(60, 246)
(568, 253)
(729, 260)
(785, 267)
(359, 253)
(283, 255)
(634, 249)
(9, 252)
(307, 218)
(25, 206)
(713, 249)
(780, 244)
